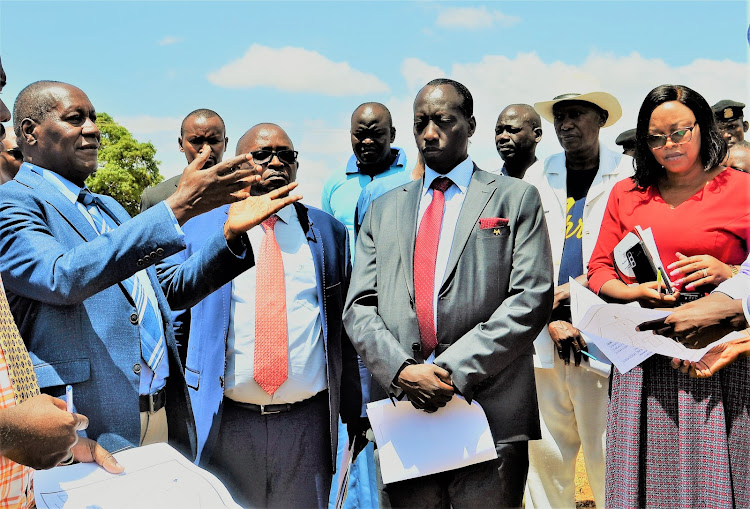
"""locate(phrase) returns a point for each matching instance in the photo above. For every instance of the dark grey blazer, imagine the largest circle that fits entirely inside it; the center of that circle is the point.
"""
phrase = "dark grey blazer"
(160, 192)
(496, 297)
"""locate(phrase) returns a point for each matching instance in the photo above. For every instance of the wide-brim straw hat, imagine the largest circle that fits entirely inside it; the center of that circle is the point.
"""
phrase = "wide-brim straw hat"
(605, 101)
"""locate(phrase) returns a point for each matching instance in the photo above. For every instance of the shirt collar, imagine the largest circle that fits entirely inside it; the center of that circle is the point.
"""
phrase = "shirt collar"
(460, 175)
(65, 186)
(400, 162)
(287, 214)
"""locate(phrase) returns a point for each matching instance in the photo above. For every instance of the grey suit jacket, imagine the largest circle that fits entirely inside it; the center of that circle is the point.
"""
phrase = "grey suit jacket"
(496, 297)
(160, 192)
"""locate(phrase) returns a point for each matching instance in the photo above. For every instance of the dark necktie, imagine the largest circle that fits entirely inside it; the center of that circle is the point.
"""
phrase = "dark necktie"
(425, 253)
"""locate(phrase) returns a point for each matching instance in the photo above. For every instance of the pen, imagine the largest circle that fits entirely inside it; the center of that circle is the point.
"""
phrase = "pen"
(584, 352)
(69, 397)
(658, 281)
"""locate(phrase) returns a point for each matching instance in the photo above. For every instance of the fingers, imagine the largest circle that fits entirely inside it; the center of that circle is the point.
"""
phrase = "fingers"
(282, 191)
(651, 325)
(198, 162)
(82, 422)
(105, 460)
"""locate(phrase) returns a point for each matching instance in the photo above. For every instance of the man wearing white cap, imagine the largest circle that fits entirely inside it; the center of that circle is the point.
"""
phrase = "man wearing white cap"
(574, 188)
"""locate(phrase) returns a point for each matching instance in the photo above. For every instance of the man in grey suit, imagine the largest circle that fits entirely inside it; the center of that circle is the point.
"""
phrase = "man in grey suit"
(452, 305)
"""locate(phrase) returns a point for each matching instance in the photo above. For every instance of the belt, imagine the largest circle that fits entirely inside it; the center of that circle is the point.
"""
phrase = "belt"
(279, 407)
(153, 402)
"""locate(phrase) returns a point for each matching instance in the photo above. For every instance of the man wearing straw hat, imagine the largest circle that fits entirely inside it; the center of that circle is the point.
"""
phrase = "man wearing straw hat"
(574, 188)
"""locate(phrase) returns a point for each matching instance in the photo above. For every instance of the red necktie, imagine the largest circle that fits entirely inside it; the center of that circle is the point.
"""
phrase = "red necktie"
(425, 253)
(271, 335)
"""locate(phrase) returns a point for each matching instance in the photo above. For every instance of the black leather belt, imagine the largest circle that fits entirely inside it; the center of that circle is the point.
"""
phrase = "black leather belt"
(153, 402)
(278, 408)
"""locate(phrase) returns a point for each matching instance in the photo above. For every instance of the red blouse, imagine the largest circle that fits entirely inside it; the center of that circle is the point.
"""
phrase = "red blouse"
(714, 221)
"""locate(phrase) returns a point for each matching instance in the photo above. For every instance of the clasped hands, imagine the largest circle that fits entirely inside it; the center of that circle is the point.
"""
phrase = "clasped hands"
(427, 386)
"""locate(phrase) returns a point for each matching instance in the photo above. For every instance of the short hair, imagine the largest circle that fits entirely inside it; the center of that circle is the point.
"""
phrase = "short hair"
(467, 101)
(713, 146)
(35, 103)
(533, 116)
(202, 113)
(378, 105)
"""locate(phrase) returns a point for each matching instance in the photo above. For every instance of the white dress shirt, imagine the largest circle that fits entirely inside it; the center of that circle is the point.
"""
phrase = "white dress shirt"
(454, 200)
(306, 364)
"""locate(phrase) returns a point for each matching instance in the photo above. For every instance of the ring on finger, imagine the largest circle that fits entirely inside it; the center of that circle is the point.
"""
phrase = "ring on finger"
(705, 273)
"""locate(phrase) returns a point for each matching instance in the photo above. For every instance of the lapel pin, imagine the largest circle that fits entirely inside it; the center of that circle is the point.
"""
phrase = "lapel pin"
(496, 231)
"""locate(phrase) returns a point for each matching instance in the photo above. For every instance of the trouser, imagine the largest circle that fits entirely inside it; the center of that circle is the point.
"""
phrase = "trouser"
(154, 428)
(573, 415)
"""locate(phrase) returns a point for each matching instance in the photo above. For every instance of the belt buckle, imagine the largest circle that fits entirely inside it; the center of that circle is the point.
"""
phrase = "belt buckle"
(151, 403)
(263, 410)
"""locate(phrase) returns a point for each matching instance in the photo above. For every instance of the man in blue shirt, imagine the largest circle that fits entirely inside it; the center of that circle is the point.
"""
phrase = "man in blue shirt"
(372, 133)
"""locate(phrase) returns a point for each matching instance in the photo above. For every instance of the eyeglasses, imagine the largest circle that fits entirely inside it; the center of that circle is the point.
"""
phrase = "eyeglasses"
(264, 156)
(657, 141)
(15, 153)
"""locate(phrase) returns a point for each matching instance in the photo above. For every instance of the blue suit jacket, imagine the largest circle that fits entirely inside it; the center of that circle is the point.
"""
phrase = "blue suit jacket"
(204, 369)
(63, 284)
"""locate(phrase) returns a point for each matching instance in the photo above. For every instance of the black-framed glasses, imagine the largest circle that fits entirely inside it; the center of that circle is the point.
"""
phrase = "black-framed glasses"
(684, 135)
(15, 153)
(264, 156)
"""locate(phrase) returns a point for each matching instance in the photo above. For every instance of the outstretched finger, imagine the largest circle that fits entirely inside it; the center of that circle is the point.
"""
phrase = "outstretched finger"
(203, 154)
(233, 164)
(651, 325)
(282, 191)
(82, 422)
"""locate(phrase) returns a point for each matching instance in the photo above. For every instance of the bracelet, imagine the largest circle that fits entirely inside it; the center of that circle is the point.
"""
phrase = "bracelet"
(67, 461)
(735, 269)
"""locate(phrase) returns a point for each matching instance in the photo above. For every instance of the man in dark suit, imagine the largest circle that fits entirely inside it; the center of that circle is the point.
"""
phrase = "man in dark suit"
(198, 127)
(274, 444)
(453, 282)
(80, 278)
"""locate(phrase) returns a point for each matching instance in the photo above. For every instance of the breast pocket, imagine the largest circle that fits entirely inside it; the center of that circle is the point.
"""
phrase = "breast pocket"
(68, 372)
(493, 233)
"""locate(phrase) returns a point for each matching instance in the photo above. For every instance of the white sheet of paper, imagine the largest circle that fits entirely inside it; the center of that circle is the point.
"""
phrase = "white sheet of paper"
(156, 476)
(413, 443)
(623, 356)
(618, 322)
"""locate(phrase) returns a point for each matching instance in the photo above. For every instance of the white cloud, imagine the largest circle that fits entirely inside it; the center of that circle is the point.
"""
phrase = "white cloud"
(417, 73)
(146, 124)
(168, 40)
(295, 70)
(496, 81)
(473, 18)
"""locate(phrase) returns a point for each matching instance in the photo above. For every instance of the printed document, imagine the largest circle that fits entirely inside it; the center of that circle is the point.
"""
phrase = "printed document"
(156, 476)
(413, 443)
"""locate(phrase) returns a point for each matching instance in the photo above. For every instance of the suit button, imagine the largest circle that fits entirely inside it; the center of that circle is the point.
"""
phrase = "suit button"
(136, 368)
(153, 255)
(147, 259)
(159, 252)
(221, 381)
(140, 262)
(134, 318)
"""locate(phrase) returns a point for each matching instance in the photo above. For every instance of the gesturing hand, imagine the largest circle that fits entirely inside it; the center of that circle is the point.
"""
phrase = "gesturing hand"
(565, 337)
(39, 432)
(427, 386)
(690, 272)
(715, 359)
(88, 451)
(253, 210)
(701, 322)
(202, 190)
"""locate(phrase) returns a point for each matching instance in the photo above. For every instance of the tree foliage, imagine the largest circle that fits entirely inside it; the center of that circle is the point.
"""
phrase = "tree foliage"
(126, 166)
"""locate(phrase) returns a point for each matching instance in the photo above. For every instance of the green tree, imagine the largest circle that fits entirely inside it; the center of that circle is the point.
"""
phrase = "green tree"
(126, 166)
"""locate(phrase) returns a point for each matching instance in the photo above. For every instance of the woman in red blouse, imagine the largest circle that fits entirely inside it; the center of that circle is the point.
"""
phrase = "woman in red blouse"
(672, 440)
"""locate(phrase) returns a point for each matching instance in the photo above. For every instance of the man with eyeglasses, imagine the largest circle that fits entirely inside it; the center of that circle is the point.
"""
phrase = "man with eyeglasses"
(730, 120)
(574, 187)
(269, 368)
(10, 158)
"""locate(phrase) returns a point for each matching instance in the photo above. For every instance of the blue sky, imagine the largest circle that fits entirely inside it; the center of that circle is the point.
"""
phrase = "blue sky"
(307, 65)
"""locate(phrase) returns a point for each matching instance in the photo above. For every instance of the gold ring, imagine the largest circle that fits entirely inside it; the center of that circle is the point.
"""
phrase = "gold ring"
(705, 273)
(67, 461)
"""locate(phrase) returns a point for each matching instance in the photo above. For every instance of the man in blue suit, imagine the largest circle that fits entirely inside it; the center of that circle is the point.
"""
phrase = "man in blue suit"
(274, 445)
(80, 278)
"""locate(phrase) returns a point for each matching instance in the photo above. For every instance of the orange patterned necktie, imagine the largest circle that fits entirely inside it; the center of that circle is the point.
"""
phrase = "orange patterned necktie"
(425, 254)
(271, 335)
(20, 368)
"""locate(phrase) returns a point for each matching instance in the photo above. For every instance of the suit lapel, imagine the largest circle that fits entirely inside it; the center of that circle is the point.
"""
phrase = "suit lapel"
(312, 234)
(477, 196)
(67, 210)
(406, 225)
(557, 181)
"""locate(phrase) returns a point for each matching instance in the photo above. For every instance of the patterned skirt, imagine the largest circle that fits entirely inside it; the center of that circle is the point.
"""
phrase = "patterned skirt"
(676, 441)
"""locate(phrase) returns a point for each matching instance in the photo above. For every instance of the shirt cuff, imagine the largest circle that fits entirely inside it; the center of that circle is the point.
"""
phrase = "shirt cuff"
(174, 220)
(737, 287)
